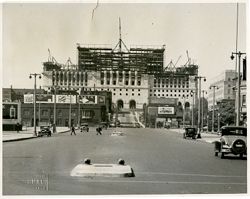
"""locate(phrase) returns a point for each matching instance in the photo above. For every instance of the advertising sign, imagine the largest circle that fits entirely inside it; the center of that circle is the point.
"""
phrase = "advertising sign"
(48, 98)
(101, 99)
(65, 99)
(166, 110)
(88, 99)
(28, 98)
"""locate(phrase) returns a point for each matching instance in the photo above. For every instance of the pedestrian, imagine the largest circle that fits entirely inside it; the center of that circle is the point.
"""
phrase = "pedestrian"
(17, 127)
(54, 128)
(98, 130)
(73, 130)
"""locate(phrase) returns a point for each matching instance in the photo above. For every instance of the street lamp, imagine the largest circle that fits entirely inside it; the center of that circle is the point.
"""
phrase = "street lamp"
(35, 75)
(218, 122)
(213, 87)
(238, 86)
(199, 103)
(207, 121)
(202, 112)
(54, 122)
(192, 93)
(184, 111)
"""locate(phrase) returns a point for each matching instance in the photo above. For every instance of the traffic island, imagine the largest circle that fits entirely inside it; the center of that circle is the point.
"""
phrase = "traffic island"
(86, 169)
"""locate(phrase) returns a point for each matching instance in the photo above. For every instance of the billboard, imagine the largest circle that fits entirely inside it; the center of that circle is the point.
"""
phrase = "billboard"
(65, 99)
(166, 110)
(88, 99)
(48, 98)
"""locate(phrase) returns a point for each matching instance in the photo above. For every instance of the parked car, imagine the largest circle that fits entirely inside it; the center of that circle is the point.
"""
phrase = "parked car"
(190, 132)
(84, 127)
(233, 140)
(44, 130)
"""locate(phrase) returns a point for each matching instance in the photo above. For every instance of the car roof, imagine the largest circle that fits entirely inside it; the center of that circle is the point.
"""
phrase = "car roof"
(234, 127)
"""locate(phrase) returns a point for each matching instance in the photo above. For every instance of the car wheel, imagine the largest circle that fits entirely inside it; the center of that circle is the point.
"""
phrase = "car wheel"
(222, 155)
(216, 153)
(241, 155)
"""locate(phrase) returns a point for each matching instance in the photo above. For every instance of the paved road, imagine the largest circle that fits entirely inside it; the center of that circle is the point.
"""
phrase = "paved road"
(163, 162)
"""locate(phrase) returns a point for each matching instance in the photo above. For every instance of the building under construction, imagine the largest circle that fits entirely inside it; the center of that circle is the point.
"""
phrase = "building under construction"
(141, 59)
(133, 75)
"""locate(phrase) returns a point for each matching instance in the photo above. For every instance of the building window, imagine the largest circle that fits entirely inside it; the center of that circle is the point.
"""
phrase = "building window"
(162, 94)
(113, 93)
(150, 90)
(139, 83)
(114, 82)
(159, 90)
(126, 82)
(102, 82)
(59, 113)
(243, 100)
(120, 94)
(126, 89)
(133, 83)
(120, 89)
(139, 94)
(108, 82)
(139, 89)
(154, 94)
(45, 113)
(158, 94)
(114, 89)
(150, 95)
(132, 89)
(126, 93)
(102, 89)
(132, 94)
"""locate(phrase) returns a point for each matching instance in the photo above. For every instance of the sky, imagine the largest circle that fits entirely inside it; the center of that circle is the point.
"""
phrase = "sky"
(206, 30)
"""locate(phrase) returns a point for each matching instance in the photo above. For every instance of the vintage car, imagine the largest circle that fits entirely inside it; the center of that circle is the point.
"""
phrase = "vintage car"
(190, 132)
(44, 130)
(84, 127)
(233, 140)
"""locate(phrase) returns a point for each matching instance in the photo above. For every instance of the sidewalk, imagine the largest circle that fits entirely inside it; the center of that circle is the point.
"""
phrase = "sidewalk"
(27, 133)
(208, 137)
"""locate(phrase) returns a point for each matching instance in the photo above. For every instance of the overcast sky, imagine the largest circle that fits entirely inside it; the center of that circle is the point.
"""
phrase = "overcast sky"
(207, 31)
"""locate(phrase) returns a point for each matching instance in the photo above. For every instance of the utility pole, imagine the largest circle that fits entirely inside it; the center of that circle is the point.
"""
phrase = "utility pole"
(199, 104)
(193, 96)
(238, 86)
(35, 75)
(213, 87)
(202, 111)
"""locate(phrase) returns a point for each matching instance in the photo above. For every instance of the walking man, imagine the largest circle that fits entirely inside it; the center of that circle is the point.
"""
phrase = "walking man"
(98, 130)
(73, 130)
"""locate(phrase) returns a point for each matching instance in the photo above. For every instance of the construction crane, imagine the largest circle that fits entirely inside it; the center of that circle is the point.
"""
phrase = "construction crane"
(188, 61)
(51, 58)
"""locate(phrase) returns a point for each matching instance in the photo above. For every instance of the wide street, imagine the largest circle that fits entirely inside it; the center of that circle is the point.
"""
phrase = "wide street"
(163, 162)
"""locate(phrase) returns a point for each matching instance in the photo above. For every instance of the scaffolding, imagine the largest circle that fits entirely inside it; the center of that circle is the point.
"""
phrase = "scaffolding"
(144, 60)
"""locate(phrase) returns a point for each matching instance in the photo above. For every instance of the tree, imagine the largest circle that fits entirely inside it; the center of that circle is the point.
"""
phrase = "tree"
(226, 108)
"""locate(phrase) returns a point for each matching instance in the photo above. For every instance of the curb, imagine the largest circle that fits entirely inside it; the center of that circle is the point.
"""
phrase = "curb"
(27, 138)
(19, 139)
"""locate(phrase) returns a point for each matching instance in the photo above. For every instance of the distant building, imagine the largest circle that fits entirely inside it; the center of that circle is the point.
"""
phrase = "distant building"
(94, 107)
(225, 83)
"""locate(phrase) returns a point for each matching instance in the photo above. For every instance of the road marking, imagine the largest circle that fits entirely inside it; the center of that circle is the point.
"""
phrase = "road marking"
(165, 182)
(190, 174)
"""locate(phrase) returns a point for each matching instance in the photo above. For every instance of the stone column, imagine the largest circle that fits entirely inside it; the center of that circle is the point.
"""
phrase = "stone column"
(135, 78)
(129, 78)
(123, 77)
(111, 77)
(105, 77)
